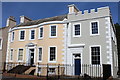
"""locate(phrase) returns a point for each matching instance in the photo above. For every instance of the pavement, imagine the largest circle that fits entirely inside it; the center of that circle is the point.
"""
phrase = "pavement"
(10, 76)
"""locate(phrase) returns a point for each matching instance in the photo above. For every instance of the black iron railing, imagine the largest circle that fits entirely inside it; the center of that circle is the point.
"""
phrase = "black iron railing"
(61, 70)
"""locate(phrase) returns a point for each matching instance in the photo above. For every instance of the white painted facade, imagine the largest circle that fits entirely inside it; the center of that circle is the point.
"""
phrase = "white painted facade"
(105, 39)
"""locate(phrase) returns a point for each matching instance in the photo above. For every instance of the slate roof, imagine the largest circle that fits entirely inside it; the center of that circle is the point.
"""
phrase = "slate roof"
(35, 22)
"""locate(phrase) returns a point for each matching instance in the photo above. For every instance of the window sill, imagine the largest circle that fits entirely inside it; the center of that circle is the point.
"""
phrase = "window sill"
(40, 38)
(94, 34)
(20, 61)
(76, 36)
(39, 61)
(31, 39)
(21, 40)
(53, 37)
(52, 61)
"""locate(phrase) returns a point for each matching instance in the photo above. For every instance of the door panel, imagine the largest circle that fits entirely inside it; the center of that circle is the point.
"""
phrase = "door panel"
(77, 66)
(31, 56)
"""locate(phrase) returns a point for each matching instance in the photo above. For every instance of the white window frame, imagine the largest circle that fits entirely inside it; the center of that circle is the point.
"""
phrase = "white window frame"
(50, 31)
(41, 55)
(74, 30)
(1, 43)
(91, 54)
(49, 54)
(12, 54)
(30, 34)
(91, 28)
(20, 35)
(18, 55)
(39, 33)
(12, 36)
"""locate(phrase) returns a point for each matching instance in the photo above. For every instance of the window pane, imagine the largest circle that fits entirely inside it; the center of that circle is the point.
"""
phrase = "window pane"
(95, 52)
(40, 54)
(52, 53)
(32, 34)
(94, 28)
(53, 30)
(11, 54)
(13, 34)
(20, 55)
(77, 29)
(41, 32)
(22, 34)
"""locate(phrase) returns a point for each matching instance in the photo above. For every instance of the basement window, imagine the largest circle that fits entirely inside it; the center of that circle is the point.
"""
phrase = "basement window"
(51, 70)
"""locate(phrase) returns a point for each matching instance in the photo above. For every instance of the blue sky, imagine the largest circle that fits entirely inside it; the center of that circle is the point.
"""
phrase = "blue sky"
(39, 10)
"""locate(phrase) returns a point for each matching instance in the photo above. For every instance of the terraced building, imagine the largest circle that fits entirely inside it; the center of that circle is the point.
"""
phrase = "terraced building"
(76, 39)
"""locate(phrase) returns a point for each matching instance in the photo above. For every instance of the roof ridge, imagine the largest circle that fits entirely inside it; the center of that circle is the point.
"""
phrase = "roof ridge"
(48, 17)
(34, 22)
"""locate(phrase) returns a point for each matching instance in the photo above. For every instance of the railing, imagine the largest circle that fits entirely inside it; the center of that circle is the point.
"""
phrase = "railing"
(92, 70)
(61, 70)
(68, 70)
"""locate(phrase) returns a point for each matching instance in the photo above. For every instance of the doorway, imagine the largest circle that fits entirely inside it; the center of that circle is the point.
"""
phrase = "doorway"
(31, 56)
(77, 62)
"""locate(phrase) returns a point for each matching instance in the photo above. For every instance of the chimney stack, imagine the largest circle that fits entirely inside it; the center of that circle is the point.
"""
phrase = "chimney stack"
(11, 21)
(24, 19)
(73, 9)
